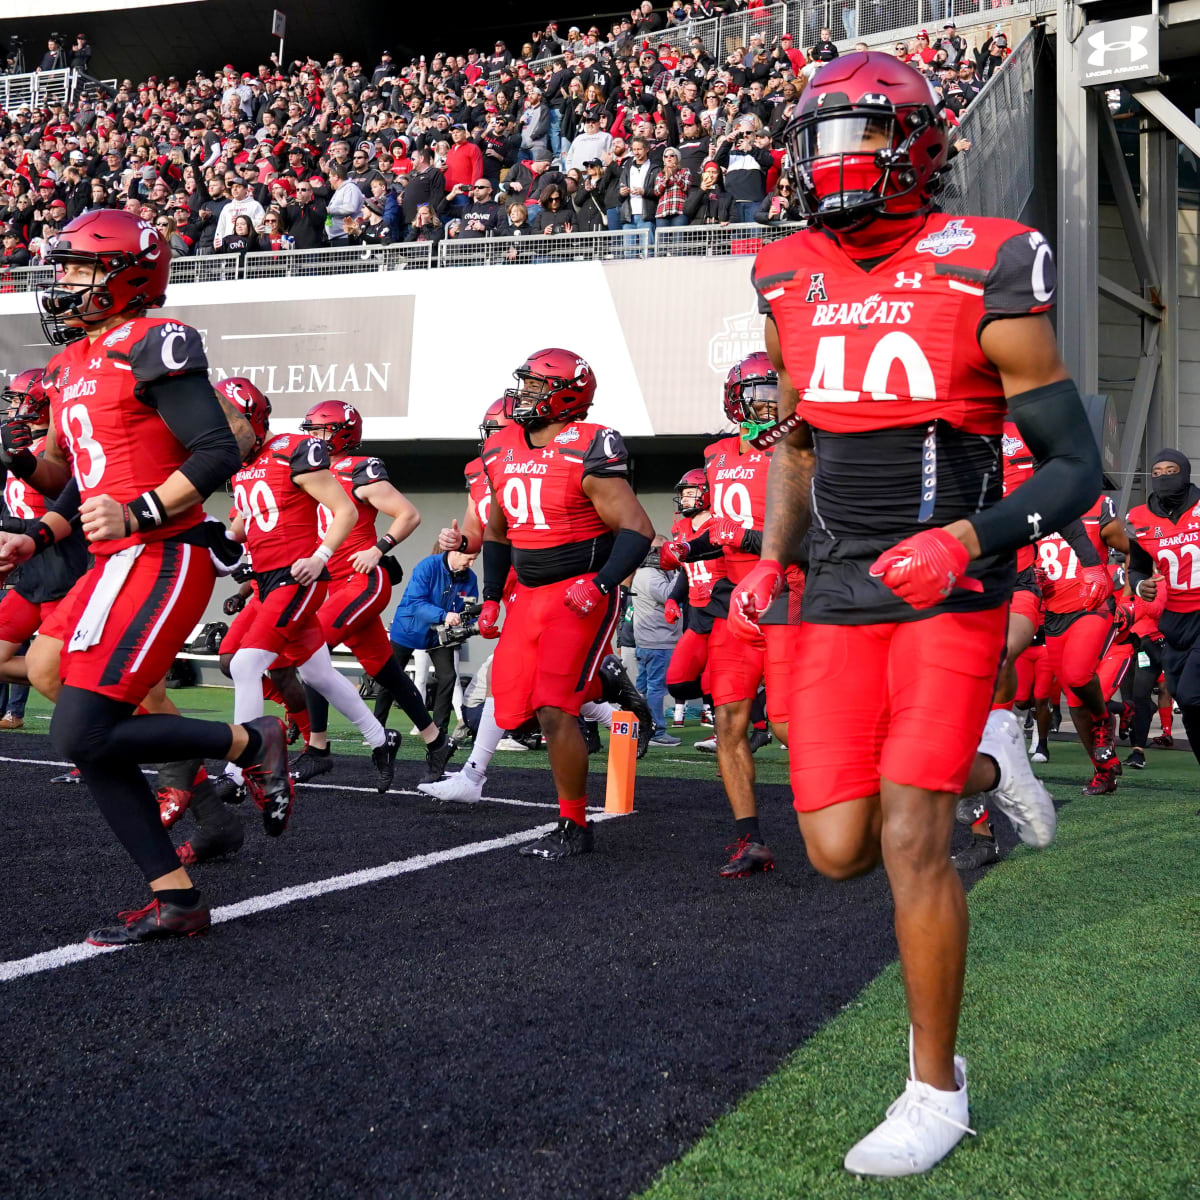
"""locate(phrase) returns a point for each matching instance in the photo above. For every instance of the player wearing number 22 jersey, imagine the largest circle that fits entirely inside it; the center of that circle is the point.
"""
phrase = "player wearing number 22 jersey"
(901, 336)
(565, 517)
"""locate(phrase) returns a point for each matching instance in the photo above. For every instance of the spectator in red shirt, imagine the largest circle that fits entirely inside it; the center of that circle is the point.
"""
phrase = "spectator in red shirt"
(464, 164)
(924, 51)
(785, 49)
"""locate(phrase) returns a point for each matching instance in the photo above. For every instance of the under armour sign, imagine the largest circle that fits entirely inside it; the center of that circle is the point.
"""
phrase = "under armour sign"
(1115, 50)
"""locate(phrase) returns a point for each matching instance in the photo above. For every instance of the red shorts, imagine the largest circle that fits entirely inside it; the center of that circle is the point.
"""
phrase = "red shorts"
(689, 660)
(1076, 652)
(1034, 676)
(547, 657)
(1026, 604)
(783, 649)
(148, 623)
(912, 696)
(284, 623)
(20, 619)
(736, 668)
(350, 616)
(1113, 667)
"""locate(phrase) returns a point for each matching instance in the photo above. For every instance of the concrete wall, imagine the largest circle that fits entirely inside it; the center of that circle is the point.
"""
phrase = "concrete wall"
(1189, 334)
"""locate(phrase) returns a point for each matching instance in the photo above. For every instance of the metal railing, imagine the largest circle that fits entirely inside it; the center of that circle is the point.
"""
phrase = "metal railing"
(337, 260)
(717, 241)
(33, 89)
(25, 279)
(545, 248)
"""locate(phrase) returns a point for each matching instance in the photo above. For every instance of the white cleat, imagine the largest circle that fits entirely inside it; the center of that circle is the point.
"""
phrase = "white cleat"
(922, 1126)
(1019, 795)
(707, 746)
(511, 744)
(458, 787)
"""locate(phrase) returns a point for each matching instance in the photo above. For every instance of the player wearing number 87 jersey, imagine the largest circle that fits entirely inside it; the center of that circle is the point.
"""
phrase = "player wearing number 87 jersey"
(888, 453)
(565, 516)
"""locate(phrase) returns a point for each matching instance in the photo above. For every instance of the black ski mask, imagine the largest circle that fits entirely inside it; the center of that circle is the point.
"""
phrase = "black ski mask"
(1172, 490)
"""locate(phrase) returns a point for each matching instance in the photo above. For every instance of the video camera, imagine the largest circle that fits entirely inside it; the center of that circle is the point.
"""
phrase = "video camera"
(468, 626)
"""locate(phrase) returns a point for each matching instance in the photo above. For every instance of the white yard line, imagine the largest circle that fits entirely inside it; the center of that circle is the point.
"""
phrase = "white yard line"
(64, 956)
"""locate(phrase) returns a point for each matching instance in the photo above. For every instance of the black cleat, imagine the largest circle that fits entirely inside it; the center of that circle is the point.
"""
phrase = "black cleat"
(619, 689)
(970, 809)
(176, 782)
(436, 760)
(383, 759)
(156, 920)
(1136, 760)
(591, 735)
(207, 844)
(1124, 721)
(1164, 741)
(1103, 750)
(228, 790)
(1103, 783)
(748, 858)
(267, 781)
(566, 840)
(307, 765)
(979, 852)
(1055, 719)
(758, 739)
(293, 732)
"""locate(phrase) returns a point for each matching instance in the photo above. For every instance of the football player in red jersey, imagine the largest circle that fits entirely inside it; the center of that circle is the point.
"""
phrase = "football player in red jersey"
(888, 457)
(687, 675)
(565, 517)
(1077, 592)
(277, 493)
(737, 473)
(468, 538)
(363, 576)
(136, 423)
(1165, 556)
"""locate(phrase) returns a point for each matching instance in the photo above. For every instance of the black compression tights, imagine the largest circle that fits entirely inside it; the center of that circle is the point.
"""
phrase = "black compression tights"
(107, 743)
(395, 683)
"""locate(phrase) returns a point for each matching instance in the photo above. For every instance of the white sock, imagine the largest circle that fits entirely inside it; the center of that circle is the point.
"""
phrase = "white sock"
(319, 674)
(486, 741)
(234, 772)
(246, 670)
(680, 712)
(599, 711)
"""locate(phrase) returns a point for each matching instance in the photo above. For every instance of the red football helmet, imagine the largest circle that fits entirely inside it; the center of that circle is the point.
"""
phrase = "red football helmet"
(129, 261)
(868, 140)
(749, 382)
(254, 405)
(563, 387)
(339, 423)
(26, 398)
(493, 420)
(694, 481)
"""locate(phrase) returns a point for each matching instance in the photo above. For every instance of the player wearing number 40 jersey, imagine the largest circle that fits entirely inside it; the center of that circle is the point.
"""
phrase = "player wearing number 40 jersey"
(565, 517)
(888, 455)
(137, 440)
(1165, 554)
(277, 493)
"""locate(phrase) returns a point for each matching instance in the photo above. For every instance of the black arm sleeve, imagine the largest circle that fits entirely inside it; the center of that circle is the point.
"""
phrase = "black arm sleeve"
(752, 542)
(1074, 534)
(1141, 564)
(497, 562)
(1066, 481)
(629, 550)
(66, 503)
(701, 547)
(190, 409)
(679, 589)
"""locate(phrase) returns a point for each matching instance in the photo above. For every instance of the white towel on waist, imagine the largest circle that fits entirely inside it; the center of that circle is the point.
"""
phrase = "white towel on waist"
(113, 574)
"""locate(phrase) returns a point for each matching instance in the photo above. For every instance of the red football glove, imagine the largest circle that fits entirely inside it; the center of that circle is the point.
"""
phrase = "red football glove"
(672, 612)
(925, 568)
(1125, 615)
(751, 599)
(582, 596)
(488, 621)
(1095, 587)
(673, 554)
(725, 531)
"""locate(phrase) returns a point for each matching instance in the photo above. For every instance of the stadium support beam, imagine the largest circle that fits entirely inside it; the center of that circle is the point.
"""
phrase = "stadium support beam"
(1127, 205)
(1160, 212)
(1144, 382)
(1171, 117)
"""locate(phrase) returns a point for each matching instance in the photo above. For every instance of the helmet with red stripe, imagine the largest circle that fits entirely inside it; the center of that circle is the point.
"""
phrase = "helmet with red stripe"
(752, 392)
(691, 493)
(555, 385)
(339, 424)
(26, 398)
(118, 265)
(868, 140)
(493, 420)
(254, 405)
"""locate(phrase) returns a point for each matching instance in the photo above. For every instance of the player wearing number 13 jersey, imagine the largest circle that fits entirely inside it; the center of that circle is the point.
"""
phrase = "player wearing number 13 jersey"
(901, 337)
(565, 517)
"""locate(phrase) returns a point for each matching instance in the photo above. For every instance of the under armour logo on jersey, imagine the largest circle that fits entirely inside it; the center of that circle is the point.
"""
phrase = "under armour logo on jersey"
(816, 288)
(1035, 519)
(547, 453)
(95, 364)
(912, 281)
(755, 458)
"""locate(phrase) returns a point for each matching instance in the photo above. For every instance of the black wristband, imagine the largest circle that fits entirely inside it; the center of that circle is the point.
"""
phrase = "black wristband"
(23, 465)
(463, 544)
(147, 511)
(386, 543)
(42, 534)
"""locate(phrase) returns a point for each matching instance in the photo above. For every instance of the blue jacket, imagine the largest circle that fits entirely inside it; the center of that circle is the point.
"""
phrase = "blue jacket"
(431, 593)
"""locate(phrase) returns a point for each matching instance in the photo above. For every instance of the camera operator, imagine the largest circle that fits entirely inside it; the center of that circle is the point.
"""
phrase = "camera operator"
(437, 594)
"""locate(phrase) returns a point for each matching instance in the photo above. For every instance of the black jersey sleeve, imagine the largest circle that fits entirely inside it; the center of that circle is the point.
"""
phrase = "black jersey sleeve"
(311, 454)
(606, 456)
(1022, 280)
(369, 471)
(165, 350)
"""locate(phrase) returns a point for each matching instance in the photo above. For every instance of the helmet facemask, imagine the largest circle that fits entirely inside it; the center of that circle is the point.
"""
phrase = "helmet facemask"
(529, 403)
(756, 401)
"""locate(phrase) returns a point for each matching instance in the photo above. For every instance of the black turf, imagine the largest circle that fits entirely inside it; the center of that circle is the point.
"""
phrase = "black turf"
(493, 1026)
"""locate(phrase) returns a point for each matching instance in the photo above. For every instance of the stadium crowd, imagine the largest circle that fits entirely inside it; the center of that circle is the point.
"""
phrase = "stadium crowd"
(578, 133)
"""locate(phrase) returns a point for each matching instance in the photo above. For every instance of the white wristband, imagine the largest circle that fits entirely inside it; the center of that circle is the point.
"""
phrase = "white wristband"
(323, 553)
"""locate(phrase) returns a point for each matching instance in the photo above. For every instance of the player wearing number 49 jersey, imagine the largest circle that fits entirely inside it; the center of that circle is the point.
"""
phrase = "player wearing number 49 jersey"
(565, 517)
(135, 422)
(888, 451)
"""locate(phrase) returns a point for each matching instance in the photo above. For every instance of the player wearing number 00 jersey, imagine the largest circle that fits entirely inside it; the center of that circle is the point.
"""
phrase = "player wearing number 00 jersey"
(888, 455)
(1165, 555)
(136, 426)
(565, 517)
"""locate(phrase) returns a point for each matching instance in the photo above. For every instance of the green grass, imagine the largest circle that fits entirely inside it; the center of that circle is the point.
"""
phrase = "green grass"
(1081, 1026)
